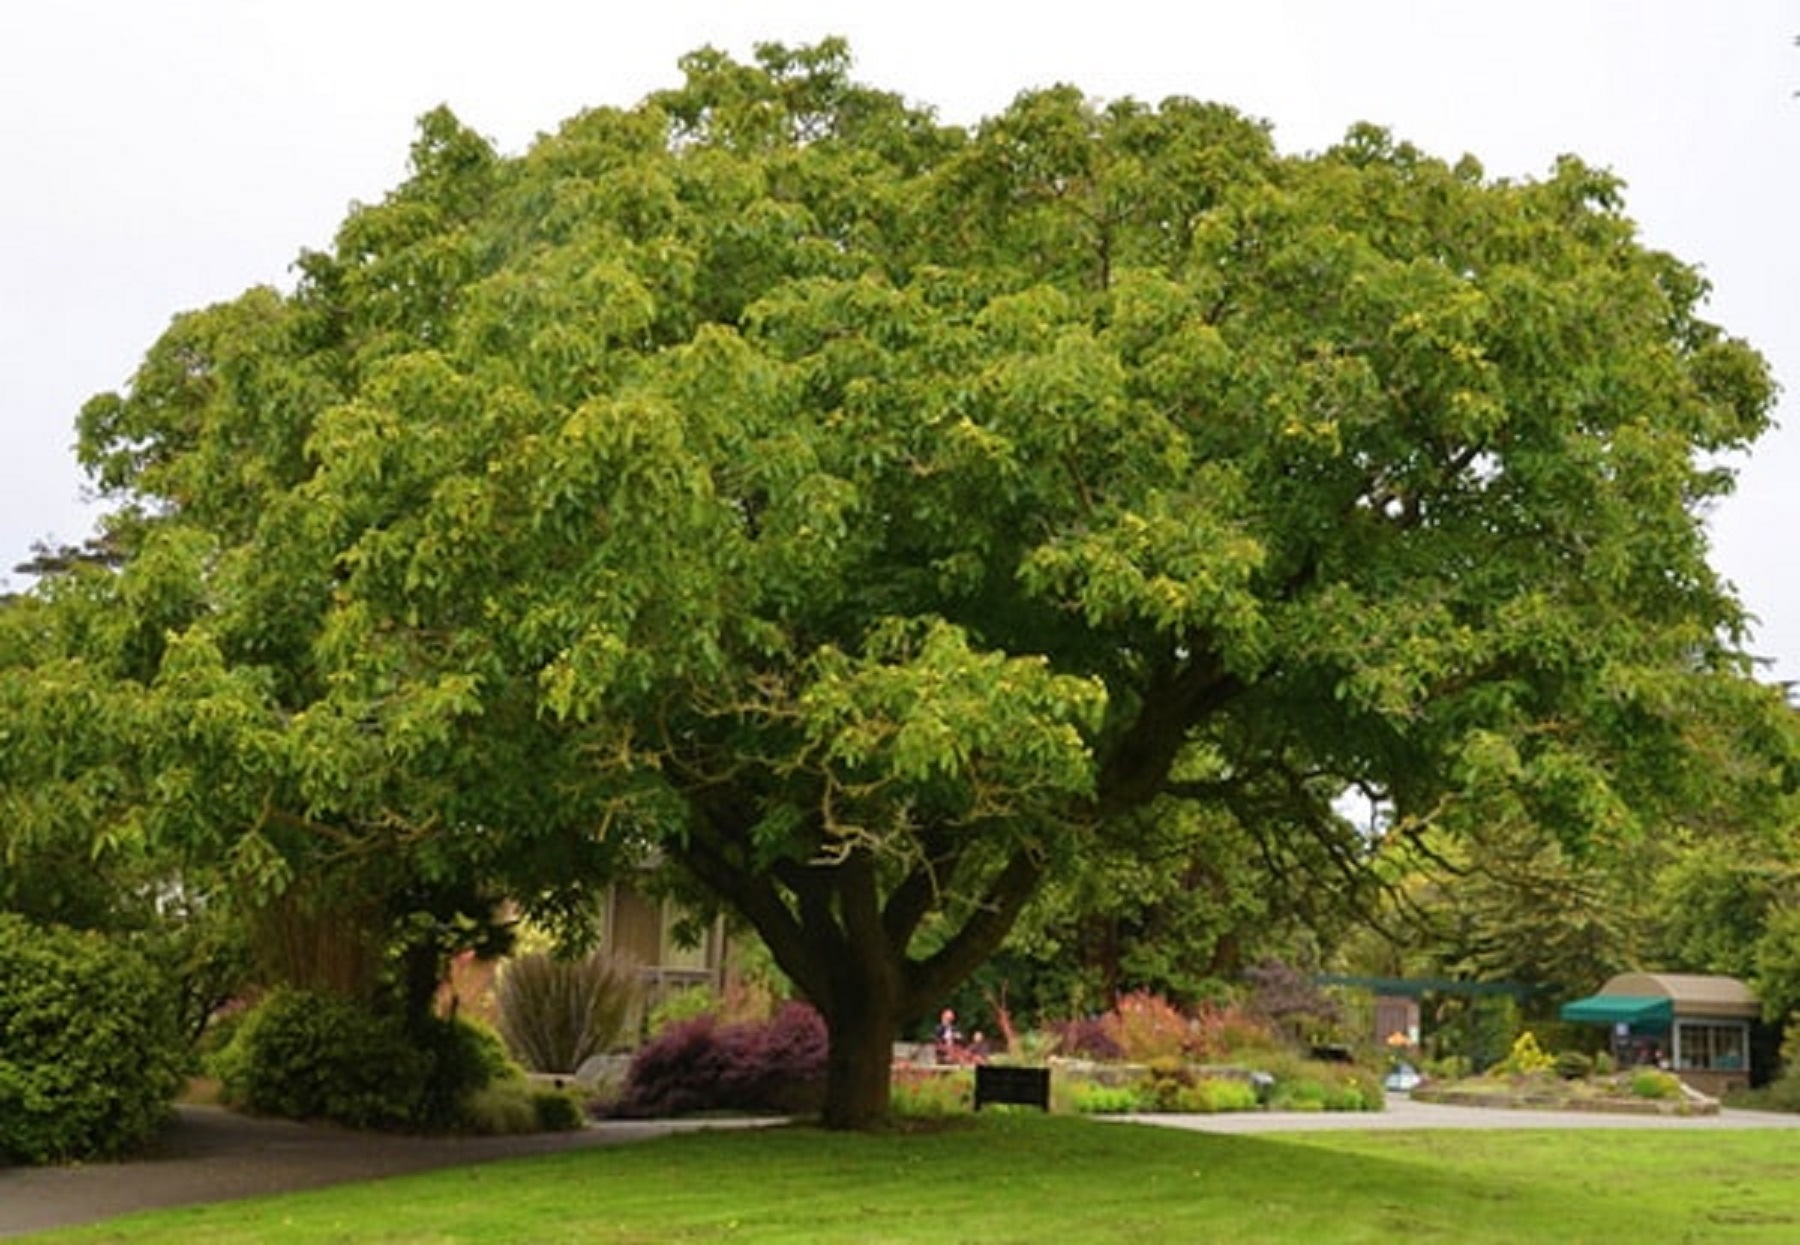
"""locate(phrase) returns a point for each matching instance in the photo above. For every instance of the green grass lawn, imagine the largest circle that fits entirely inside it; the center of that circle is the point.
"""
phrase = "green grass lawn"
(1026, 1178)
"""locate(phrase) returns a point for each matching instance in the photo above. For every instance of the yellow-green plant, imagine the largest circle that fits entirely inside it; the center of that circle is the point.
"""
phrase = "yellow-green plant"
(1526, 1057)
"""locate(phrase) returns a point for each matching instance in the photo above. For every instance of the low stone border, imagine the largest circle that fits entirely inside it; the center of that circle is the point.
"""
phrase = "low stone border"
(1692, 1104)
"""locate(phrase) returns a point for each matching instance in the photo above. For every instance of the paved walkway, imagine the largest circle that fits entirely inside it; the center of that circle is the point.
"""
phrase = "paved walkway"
(213, 1155)
(1403, 1113)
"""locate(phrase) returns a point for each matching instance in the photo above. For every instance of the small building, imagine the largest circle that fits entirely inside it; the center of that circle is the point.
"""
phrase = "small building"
(645, 930)
(1698, 1026)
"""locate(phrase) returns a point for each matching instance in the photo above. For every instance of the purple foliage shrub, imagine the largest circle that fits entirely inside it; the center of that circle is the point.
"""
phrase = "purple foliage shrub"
(1088, 1037)
(703, 1065)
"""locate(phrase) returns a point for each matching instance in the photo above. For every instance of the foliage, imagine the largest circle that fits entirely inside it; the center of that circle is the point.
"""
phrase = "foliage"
(515, 1105)
(1448, 1068)
(505, 1108)
(705, 1065)
(1221, 1031)
(1478, 1031)
(681, 1006)
(922, 1093)
(1143, 1028)
(305, 1056)
(1574, 1065)
(1147, 1028)
(555, 1013)
(462, 1056)
(875, 520)
(90, 1046)
(1525, 1058)
(1211, 1095)
(1777, 974)
(1087, 1097)
(1310, 1085)
(1783, 1093)
(1288, 999)
(1179, 908)
(1655, 1083)
(309, 1056)
(556, 1111)
(1714, 902)
(1087, 1037)
(741, 999)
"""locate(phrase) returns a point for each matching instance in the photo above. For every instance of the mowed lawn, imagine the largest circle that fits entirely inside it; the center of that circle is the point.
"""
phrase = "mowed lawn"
(1018, 1177)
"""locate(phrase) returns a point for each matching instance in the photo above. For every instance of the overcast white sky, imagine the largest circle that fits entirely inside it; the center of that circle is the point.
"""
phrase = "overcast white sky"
(159, 155)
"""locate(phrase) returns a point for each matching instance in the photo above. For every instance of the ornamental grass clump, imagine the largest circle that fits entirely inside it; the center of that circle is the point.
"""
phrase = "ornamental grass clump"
(556, 1014)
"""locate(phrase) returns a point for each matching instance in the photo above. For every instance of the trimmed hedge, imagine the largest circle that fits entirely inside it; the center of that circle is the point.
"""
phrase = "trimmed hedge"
(91, 1051)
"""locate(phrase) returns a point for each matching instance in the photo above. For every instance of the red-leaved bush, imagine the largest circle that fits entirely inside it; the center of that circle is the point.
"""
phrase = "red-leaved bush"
(1144, 1028)
(702, 1065)
(1148, 1027)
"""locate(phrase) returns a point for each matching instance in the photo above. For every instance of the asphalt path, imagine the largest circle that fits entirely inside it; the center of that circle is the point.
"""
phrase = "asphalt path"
(1403, 1113)
(214, 1155)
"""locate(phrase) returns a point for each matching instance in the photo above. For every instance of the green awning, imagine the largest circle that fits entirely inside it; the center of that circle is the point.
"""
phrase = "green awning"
(1620, 1009)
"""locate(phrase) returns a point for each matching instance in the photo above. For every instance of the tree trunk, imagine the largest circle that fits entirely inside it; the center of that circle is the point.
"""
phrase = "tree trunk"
(862, 1029)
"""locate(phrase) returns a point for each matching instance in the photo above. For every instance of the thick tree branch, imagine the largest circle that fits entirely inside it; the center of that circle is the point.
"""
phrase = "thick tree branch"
(757, 899)
(928, 881)
(1136, 768)
(980, 935)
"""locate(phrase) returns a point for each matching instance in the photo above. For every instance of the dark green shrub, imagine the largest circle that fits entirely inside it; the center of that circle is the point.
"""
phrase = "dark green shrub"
(90, 1047)
(555, 1014)
(464, 1057)
(303, 1055)
(556, 1111)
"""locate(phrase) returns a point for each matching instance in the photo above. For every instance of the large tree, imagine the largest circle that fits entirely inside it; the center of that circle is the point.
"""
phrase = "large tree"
(867, 516)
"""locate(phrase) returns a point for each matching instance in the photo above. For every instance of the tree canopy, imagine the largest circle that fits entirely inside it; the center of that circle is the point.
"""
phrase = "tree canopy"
(868, 517)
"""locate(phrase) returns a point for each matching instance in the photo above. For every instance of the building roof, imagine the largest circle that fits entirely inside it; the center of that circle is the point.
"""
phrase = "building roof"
(1690, 994)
